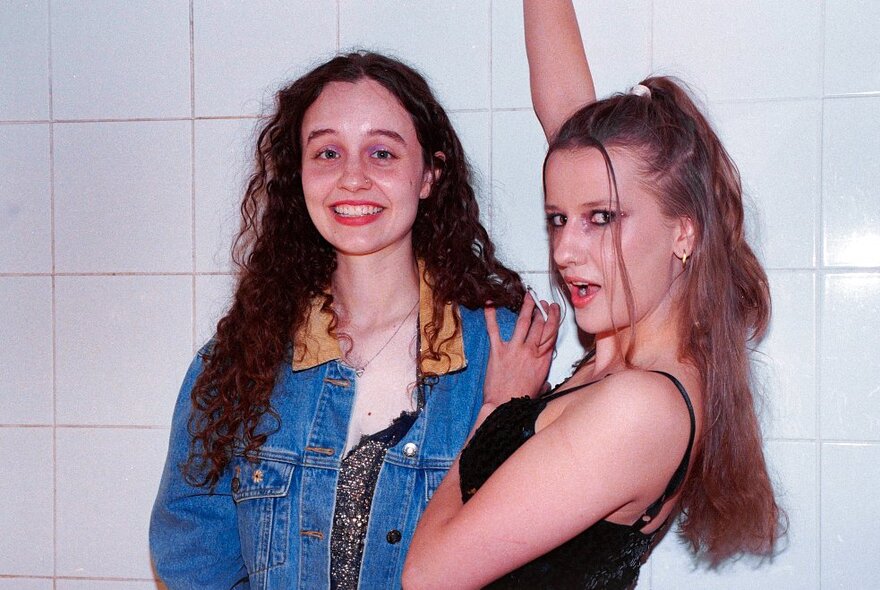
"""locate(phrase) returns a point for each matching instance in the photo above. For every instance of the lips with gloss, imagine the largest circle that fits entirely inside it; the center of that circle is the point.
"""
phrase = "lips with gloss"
(356, 212)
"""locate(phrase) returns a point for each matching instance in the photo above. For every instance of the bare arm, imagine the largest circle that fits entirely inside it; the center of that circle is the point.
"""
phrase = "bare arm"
(607, 456)
(559, 74)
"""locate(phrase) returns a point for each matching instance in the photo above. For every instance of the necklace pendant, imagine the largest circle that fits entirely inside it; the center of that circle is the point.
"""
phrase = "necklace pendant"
(359, 371)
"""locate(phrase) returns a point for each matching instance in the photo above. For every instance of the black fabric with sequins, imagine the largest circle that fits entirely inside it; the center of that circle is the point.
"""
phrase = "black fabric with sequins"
(606, 556)
(358, 474)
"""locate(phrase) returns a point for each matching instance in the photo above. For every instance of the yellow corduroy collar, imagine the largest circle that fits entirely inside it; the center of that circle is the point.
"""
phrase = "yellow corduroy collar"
(314, 345)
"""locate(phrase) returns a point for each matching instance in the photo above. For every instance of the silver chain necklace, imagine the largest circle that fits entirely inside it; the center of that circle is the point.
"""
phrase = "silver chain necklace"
(359, 371)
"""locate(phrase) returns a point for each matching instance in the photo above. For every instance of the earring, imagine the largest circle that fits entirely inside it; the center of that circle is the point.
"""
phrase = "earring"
(684, 259)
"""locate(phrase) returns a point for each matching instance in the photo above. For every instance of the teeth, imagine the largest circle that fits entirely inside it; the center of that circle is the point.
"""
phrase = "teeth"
(356, 210)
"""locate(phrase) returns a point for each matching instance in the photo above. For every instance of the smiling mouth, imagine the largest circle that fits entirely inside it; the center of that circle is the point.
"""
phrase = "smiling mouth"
(356, 210)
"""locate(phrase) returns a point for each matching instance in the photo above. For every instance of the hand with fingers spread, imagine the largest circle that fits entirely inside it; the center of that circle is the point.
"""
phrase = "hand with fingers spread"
(520, 366)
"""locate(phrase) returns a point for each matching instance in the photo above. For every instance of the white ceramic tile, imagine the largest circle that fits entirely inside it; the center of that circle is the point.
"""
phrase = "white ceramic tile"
(26, 584)
(616, 35)
(850, 504)
(123, 198)
(24, 73)
(776, 147)
(114, 59)
(69, 584)
(25, 199)
(793, 467)
(785, 365)
(457, 66)
(106, 483)
(852, 46)
(518, 226)
(851, 177)
(214, 295)
(848, 357)
(473, 131)
(244, 51)
(26, 354)
(26, 488)
(571, 344)
(123, 345)
(223, 151)
(746, 49)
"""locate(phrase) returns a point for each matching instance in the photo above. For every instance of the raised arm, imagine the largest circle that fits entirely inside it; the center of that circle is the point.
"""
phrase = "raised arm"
(559, 75)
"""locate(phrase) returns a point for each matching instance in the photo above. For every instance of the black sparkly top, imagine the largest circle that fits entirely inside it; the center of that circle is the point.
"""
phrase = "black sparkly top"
(605, 556)
(358, 475)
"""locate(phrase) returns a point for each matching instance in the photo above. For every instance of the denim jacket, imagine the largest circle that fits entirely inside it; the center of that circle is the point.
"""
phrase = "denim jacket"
(267, 523)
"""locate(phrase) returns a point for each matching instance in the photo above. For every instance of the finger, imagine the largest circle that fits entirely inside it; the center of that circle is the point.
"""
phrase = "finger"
(523, 320)
(548, 339)
(492, 327)
(551, 326)
(538, 303)
(536, 330)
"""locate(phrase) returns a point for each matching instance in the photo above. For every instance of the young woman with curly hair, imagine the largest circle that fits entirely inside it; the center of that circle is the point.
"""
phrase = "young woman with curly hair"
(312, 430)
(570, 489)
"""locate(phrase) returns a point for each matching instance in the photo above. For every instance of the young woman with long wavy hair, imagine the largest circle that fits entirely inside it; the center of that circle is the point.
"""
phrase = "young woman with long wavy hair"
(338, 389)
(570, 489)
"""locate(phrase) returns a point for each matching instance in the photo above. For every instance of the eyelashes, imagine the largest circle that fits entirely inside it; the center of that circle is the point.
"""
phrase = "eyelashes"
(596, 217)
(330, 153)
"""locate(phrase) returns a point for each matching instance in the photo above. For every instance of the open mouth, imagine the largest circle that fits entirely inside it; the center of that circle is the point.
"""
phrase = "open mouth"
(582, 291)
(356, 210)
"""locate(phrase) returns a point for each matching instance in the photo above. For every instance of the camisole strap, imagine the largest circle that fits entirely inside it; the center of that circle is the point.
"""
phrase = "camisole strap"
(678, 477)
(560, 392)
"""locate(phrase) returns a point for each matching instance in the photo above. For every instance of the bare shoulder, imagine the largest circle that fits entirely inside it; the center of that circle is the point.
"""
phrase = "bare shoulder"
(638, 403)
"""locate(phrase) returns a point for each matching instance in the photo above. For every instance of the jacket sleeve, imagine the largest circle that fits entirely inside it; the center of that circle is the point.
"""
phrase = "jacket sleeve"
(193, 530)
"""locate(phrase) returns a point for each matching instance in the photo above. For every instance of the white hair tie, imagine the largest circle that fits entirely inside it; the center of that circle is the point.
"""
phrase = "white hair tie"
(640, 90)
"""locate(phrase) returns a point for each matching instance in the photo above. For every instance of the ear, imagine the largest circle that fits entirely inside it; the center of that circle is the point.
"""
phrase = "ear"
(685, 238)
(432, 174)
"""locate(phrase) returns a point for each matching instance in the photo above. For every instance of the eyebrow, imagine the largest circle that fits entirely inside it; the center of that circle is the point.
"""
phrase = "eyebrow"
(593, 204)
(394, 135)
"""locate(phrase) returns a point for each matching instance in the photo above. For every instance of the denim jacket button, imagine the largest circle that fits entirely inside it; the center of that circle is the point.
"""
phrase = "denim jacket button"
(393, 536)
(236, 484)
(409, 449)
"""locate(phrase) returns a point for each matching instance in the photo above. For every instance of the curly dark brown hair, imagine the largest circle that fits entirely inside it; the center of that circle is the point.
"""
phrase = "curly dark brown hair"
(284, 263)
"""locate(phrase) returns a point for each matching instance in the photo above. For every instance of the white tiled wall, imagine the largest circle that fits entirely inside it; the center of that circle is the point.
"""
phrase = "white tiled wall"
(125, 132)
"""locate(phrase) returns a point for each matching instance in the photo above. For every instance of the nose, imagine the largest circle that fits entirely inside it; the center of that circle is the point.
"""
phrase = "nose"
(354, 177)
(567, 246)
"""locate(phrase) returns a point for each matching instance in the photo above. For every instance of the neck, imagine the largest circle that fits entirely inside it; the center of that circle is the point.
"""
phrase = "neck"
(373, 289)
(653, 344)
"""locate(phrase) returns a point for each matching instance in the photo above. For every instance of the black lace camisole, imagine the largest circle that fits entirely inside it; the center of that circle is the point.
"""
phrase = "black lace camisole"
(605, 556)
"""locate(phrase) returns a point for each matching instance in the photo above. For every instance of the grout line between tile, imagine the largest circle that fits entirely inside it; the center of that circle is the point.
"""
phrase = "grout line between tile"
(72, 426)
(54, 312)
(829, 270)
(122, 120)
(192, 170)
(338, 25)
(819, 295)
(490, 186)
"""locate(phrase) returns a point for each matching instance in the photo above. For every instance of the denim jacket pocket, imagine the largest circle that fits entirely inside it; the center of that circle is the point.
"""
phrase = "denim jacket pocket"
(261, 491)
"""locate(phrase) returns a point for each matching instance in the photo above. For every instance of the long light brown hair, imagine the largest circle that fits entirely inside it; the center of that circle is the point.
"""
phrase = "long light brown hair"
(284, 263)
(727, 503)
